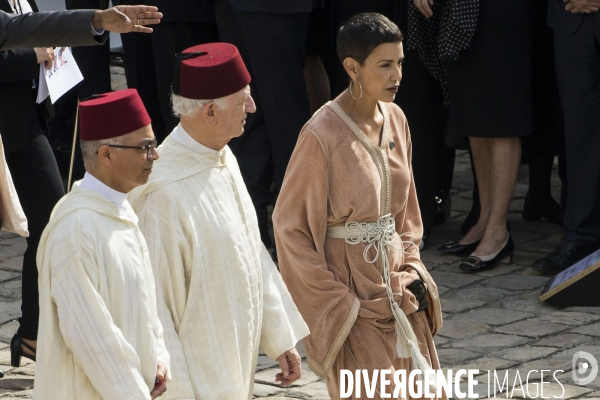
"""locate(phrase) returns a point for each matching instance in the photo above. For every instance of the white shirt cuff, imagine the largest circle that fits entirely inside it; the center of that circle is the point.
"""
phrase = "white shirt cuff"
(97, 32)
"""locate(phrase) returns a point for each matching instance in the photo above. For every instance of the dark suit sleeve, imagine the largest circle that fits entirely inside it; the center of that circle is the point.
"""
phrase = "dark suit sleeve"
(48, 29)
(18, 65)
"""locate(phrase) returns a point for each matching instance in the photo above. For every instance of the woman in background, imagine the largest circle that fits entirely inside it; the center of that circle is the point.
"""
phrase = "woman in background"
(490, 105)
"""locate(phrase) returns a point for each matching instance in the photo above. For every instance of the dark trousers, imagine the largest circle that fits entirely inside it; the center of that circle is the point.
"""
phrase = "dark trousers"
(273, 47)
(420, 97)
(39, 187)
(150, 65)
(578, 70)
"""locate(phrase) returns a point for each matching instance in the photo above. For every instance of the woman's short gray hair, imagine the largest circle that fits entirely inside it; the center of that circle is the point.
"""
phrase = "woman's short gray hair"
(183, 106)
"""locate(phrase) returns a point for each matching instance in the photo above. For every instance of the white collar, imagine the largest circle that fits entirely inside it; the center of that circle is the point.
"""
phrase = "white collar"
(90, 182)
(181, 136)
(119, 199)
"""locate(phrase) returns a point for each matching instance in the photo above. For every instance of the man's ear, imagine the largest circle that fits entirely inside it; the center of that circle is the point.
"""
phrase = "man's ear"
(351, 67)
(104, 154)
(208, 112)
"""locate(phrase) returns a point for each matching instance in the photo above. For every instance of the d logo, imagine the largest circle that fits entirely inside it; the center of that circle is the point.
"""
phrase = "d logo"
(580, 368)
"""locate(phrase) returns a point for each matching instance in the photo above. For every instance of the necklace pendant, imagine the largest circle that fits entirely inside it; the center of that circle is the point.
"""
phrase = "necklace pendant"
(392, 145)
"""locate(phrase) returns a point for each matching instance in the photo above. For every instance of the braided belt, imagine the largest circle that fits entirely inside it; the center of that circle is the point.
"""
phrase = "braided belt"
(381, 235)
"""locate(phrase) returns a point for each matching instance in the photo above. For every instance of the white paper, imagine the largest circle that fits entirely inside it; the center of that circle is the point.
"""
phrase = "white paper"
(42, 87)
(61, 77)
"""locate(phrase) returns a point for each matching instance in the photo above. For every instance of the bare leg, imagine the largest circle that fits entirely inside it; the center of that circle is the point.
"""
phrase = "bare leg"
(317, 83)
(505, 155)
(482, 159)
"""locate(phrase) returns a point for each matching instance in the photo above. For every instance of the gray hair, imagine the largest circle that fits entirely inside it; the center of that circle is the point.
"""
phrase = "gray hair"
(90, 147)
(183, 106)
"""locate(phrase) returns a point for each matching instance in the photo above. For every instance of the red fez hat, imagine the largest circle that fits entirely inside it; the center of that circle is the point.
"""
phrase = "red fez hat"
(210, 71)
(112, 114)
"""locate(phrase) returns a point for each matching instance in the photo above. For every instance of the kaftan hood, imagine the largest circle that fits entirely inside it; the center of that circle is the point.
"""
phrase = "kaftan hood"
(85, 200)
(177, 163)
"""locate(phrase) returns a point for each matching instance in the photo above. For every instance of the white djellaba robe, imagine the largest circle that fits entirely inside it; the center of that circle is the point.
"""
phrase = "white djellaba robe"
(99, 335)
(223, 297)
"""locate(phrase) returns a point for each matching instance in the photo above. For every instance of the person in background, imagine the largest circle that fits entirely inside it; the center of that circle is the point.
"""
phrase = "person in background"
(23, 126)
(547, 140)
(94, 64)
(93, 61)
(315, 75)
(491, 105)
(150, 59)
(577, 57)
(422, 100)
(31, 164)
(272, 40)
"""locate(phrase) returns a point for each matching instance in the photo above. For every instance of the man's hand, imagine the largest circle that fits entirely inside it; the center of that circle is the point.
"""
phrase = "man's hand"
(582, 6)
(424, 7)
(125, 19)
(44, 55)
(161, 386)
(291, 370)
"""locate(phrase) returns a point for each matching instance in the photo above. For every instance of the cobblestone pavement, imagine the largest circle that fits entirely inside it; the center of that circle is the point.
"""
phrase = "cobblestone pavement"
(492, 320)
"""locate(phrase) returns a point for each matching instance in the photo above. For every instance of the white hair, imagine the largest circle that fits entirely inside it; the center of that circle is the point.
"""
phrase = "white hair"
(89, 148)
(183, 106)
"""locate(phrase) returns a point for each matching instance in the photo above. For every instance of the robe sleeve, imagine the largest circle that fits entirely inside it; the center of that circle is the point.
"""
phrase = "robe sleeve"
(163, 355)
(300, 223)
(98, 345)
(282, 325)
(164, 245)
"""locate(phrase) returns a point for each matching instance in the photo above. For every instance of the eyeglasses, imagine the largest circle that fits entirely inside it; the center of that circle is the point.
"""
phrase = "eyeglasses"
(149, 148)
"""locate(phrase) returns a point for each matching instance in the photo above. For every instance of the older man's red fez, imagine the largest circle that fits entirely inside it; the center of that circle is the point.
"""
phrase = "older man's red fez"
(112, 114)
(210, 71)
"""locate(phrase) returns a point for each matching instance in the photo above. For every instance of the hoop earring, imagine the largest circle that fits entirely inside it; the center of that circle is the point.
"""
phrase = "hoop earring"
(350, 88)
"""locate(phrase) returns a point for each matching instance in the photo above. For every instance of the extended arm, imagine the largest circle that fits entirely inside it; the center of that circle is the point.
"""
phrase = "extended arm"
(46, 29)
(72, 28)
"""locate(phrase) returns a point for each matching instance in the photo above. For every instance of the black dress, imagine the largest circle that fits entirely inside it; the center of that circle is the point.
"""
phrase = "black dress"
(490, 83)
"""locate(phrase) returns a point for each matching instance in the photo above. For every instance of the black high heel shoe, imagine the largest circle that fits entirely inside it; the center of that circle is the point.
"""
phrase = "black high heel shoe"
(16, 351)
(458, 249)
(476, 264)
